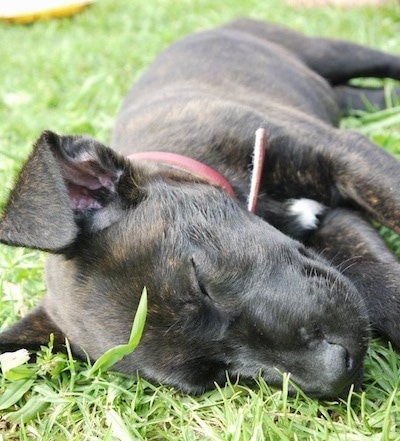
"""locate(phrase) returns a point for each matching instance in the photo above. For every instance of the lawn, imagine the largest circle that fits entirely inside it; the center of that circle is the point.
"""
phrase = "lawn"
(70, 76)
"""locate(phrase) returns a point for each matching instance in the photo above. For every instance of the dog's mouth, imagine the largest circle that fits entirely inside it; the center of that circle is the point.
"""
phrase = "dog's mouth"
(329, 387)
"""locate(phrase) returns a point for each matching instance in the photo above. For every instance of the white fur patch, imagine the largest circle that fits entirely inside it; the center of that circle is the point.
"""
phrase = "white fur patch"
(306, 211)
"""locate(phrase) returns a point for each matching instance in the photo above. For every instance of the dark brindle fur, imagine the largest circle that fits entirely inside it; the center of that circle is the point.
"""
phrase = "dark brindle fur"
(227, 290)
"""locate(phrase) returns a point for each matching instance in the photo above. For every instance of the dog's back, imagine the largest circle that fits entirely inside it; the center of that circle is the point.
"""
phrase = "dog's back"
(249, 72)
(206, 76)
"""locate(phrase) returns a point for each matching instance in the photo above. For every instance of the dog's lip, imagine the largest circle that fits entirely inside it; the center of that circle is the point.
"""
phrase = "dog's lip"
(328, 390)
(341, 389)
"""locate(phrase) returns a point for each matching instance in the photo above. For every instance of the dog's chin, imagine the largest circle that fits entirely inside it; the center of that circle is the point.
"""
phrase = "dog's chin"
(339, 390)
(333, 392)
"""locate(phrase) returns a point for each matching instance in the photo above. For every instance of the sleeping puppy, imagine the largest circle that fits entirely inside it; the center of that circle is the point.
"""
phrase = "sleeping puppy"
(294, 287)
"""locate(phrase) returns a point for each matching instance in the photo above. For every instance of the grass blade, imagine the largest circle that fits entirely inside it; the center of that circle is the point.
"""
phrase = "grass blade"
(114, 355)
(15, 392)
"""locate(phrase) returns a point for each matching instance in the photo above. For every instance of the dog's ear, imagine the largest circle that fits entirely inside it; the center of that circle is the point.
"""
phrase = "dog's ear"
(31, 332)
(69, 183)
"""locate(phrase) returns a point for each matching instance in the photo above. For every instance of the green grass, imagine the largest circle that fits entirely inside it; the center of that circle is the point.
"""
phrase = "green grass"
(70, 76)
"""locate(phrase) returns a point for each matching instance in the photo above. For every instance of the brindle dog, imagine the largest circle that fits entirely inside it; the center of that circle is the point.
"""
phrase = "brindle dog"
(294, 288)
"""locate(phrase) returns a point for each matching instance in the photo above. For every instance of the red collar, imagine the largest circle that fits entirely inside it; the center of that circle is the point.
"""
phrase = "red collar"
(194, 167)
(209, 174)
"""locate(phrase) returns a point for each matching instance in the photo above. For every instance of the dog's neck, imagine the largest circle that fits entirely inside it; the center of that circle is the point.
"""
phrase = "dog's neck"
(196, 168)
(209, 174)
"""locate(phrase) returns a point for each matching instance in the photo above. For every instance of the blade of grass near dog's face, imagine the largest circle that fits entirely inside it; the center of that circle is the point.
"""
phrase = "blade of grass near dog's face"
(113, 355)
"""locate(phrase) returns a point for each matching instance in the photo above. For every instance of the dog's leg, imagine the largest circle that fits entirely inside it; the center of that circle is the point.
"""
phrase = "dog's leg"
(365, 98)
(336, 60)
(367, 175)
(334, 167)
(355, 247)
(31, 332)
(340, 61)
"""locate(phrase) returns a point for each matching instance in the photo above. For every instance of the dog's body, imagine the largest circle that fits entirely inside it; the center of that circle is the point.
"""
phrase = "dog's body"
(227, 290)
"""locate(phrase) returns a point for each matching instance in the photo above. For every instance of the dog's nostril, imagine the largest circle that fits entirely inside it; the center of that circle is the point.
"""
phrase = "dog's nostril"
(349, 362)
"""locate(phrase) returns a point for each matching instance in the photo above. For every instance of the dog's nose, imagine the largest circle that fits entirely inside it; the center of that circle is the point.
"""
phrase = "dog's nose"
(337, 357)
(339, 366)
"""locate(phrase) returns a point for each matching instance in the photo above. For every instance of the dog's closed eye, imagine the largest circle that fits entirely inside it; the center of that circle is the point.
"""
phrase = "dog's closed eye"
(198, 281)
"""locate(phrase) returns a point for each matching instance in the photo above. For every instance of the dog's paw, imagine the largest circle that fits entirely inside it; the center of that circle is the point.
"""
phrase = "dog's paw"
(295, 217)
(384, 302)
(306, 213)
(301, 217)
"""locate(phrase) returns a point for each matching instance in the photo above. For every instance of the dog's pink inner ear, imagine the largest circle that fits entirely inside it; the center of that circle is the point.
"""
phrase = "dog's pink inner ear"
(81, 199)
(89, 186)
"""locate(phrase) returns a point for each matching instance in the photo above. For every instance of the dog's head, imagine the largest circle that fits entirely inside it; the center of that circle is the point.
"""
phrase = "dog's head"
(227, 291)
